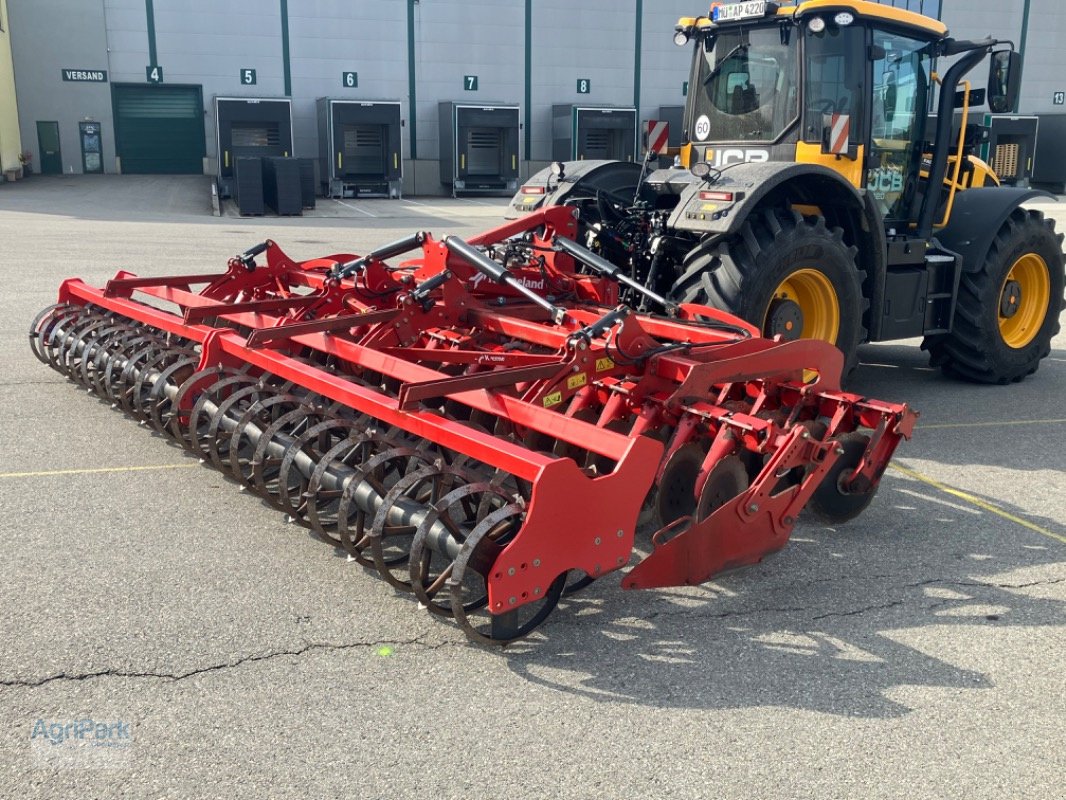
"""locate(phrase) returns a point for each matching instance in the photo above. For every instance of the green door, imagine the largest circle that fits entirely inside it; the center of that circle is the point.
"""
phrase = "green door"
(48, 144)
(159, 130)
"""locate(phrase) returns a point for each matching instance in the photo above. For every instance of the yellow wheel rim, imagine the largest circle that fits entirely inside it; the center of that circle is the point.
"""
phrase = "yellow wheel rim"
(1023, 300)
(813, 292)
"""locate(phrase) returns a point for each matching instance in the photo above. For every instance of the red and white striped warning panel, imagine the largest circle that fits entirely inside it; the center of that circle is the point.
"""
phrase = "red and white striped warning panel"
(839, 126)
(656, 136)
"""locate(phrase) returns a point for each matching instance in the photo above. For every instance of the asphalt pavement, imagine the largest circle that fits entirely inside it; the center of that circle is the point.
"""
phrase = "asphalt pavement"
(915, 652)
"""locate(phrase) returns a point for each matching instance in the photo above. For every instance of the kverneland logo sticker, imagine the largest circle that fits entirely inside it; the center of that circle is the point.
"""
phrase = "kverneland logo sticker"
(529, 283)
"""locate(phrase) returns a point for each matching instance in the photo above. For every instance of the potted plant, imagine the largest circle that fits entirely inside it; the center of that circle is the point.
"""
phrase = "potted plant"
(26, 160)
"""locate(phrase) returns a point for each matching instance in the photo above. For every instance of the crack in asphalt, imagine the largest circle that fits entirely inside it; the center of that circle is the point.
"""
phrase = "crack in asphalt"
(570, 620)
(747, 612)
(863, 610)
(33, 683)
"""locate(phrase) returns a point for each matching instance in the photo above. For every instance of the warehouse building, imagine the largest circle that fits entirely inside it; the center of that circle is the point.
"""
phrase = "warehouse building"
(138, 86)
(10, 141)
(144, 75)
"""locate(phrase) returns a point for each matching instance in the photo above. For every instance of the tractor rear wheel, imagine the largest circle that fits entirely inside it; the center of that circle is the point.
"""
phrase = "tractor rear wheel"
(1008, 309)
(788, 274)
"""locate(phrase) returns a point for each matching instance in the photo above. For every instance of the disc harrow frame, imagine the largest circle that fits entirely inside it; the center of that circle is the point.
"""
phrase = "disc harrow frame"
(477, 419)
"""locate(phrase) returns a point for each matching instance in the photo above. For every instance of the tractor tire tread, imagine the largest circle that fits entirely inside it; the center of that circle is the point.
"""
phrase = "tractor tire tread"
(974, 350)
(724, 272)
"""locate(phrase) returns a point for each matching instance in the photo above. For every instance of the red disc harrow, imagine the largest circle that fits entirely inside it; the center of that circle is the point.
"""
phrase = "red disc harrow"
(480, 421)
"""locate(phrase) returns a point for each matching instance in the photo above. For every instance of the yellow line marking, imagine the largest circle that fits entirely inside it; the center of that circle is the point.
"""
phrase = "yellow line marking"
(976, 501)
(92, 471)
(989, 424)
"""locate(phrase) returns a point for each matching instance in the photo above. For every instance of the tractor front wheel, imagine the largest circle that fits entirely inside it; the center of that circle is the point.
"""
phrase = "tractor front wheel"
(790, 275)
(1008, 308)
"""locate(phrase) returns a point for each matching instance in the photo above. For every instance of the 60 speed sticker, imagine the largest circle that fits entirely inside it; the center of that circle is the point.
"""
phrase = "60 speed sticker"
(703, 127)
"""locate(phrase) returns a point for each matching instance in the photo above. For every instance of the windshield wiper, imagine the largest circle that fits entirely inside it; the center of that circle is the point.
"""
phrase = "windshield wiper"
(721, 62)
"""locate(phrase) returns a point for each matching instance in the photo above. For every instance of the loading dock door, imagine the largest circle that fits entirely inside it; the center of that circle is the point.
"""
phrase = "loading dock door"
(593, 132)
(479, 147)
(364, 152)
(253, 135)
(484, 146)
(359, 147)
(159, 130)
(598, 143)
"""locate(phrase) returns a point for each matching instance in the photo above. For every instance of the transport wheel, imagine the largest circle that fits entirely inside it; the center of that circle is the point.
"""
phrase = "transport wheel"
(833, 502)
(790, 275)
(1008, 309)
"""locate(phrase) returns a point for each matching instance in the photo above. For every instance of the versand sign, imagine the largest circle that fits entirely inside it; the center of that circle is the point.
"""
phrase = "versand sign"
(85, 75)
(734, 11)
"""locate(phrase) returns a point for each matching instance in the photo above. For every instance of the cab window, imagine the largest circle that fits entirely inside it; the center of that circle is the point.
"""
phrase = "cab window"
(745, 88)
(900, 99)
(834, 83)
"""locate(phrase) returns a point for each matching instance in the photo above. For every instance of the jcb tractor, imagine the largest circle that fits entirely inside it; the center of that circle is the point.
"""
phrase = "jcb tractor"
(812, 199)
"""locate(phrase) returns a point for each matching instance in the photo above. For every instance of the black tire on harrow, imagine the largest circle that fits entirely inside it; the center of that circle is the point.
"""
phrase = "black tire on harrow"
(833, 503)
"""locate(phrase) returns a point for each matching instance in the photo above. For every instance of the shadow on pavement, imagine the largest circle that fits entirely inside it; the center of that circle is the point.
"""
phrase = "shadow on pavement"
(822, 626)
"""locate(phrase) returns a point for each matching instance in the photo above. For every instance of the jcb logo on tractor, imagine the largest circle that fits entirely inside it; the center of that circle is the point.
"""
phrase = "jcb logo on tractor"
(884, 179)
(735, 155)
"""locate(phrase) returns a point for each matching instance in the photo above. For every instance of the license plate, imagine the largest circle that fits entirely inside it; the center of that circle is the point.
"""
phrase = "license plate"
(734, 11)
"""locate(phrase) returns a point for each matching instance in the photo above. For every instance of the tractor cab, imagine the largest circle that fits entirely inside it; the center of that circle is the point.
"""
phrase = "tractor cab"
(846, 85)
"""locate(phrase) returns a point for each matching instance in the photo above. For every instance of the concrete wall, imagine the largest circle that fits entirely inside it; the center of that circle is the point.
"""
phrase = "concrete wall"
(321, 37)
(10, 136)
(593, 40)
(663, 66)
(1045, 64)
(208, 42)
(977, 19)
(455, 38)
(1044, 69)
(46, 37)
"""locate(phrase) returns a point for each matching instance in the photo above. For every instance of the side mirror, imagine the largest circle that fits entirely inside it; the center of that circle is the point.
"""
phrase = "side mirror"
(1004, 79)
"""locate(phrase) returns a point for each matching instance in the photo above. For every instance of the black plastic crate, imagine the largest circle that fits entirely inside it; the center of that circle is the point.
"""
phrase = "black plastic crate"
(281, 186)
(249, 186)
(307, 182)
